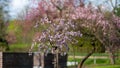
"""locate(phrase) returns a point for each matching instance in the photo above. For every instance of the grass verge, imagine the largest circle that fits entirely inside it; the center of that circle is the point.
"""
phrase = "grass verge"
(19, 47)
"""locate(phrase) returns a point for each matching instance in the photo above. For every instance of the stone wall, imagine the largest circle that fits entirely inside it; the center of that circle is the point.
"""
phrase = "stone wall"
(24, 60)
(17, 60)
(50, 61)
(0, 59)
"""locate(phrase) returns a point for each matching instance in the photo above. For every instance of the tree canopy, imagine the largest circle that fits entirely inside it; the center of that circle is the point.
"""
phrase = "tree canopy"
(64, 21)
(3, 19)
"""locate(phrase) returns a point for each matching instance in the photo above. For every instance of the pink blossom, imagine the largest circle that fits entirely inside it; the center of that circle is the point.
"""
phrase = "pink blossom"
(62, 30)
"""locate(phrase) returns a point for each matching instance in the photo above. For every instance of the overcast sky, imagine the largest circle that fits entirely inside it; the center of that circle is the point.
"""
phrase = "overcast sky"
(17, 5)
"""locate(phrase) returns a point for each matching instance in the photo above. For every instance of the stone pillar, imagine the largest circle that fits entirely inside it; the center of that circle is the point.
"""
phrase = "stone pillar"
(0, 59)
(42, 60)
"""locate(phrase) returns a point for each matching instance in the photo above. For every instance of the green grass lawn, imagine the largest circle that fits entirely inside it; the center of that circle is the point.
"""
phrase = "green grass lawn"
(91, 61)
(105, 66)
(98, 66)
(19, 47)
(84, 54)
(94, 54)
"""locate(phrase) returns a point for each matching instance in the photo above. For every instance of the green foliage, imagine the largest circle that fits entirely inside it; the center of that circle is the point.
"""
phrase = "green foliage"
(3, 19)
(84, 44)
(117, 11)
(14, 30)
(12, 27)
(3, 46)
(23, 38)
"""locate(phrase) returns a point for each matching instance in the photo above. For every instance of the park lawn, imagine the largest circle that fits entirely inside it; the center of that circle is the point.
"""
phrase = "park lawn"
(19, 47)
(104, 66)
(98, 66)
(95, 54)
(91, 61)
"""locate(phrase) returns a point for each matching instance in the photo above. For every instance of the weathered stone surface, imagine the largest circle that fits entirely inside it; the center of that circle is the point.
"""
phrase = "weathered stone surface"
(24, 60)
(37, 59)
(49, 61)
(17, 60)
(0, 59)
(63, 61)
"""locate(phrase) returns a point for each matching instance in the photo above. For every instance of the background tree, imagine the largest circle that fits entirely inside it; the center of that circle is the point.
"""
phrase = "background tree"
(20, 31)
(102, 28)
(3, 19)
(117, 8)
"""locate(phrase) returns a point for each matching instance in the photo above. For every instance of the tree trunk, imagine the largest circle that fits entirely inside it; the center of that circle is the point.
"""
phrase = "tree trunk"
(86, 57)
(111, 53)
(112, 57)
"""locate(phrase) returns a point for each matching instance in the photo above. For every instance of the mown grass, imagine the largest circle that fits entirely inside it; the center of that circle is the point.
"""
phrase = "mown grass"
(19, 47)
(98, 66)
(92, 61)
(100, 63)
(94, 54)
(84, 54)
(104, 66)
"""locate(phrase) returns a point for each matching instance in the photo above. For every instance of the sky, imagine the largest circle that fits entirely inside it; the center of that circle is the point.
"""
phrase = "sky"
(17, 5)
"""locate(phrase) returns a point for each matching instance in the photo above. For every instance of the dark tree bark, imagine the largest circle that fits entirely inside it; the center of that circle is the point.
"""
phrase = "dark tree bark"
(111, 55)
(82, 3)
(111, 52)
(86, 57)
(112, 58)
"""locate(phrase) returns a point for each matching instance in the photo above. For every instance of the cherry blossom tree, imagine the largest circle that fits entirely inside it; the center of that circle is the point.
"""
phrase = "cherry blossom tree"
(62, 21)
(104, 28)
(60, 28)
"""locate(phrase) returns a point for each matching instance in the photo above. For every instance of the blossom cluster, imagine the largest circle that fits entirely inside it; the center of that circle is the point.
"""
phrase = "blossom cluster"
(64, 23)
(105, 28)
